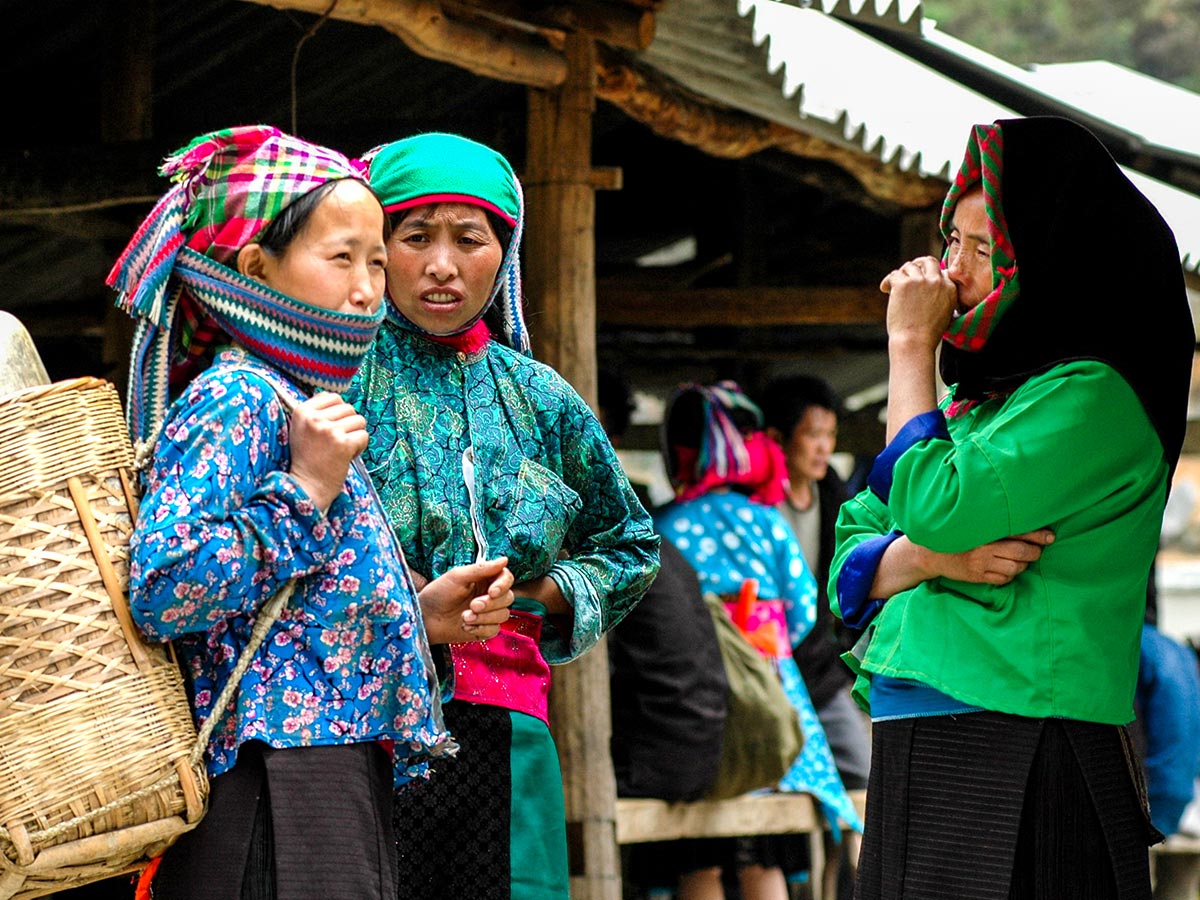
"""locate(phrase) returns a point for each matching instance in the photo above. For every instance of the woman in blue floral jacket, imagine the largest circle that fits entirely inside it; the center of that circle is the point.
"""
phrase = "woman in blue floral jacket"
(251, 491)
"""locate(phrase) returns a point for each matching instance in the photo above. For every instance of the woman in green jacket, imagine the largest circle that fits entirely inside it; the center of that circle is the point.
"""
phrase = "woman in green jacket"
(999, 557)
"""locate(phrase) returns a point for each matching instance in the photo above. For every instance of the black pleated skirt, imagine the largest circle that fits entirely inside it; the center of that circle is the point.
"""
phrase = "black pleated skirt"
(987, 806)
(308, 823)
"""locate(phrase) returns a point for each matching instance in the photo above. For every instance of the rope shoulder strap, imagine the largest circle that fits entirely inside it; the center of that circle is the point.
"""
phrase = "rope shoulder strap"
(267, 616)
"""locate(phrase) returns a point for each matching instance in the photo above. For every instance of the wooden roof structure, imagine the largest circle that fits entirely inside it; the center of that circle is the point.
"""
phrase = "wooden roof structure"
(715, 238)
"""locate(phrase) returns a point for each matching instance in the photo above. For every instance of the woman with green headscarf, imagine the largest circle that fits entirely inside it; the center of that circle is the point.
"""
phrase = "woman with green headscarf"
(477, 451)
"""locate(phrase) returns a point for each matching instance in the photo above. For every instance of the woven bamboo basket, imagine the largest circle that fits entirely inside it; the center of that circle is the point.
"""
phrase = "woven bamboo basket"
(97, 769)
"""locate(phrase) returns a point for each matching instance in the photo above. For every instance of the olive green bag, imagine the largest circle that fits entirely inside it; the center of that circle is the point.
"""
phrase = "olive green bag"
(763, 736)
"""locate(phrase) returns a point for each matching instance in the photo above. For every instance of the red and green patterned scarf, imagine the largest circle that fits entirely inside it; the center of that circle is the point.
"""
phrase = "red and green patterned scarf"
(984, 163)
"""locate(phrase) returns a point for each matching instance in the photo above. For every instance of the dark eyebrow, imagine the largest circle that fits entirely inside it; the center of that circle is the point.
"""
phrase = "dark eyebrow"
(980, 238)
(467, 222)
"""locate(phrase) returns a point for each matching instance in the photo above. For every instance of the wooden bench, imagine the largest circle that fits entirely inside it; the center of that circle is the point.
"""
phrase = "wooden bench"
(642, 821)
(1175, 865)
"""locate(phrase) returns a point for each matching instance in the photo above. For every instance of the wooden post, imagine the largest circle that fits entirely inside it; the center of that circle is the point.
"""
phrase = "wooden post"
(560, 278)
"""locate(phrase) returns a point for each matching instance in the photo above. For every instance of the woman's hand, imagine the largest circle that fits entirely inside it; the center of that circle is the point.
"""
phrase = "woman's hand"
(324, 436)
(996, 563)
(904, 564)
(921, 302)
(546, 592)
(468, 603)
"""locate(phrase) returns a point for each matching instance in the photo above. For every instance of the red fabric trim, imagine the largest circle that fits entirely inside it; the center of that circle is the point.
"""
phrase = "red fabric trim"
(472, 340)
(144, 878)
(451, 198)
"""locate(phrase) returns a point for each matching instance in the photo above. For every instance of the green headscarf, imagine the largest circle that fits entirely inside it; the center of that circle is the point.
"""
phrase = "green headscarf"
(448, 168)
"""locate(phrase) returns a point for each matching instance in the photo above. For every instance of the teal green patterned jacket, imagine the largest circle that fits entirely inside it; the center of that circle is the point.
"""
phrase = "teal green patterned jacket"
(549, 490)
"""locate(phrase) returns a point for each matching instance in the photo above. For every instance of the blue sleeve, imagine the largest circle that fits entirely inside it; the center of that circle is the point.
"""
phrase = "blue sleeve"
(926, 426)
(223, 525)
(855, 578)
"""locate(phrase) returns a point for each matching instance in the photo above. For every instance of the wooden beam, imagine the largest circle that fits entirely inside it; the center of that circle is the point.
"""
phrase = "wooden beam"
(560, 285)
(671, 112)
(560, 245)
(58, 180)
(126, 95)
(747, 307)
(617, 25)
(427, 31)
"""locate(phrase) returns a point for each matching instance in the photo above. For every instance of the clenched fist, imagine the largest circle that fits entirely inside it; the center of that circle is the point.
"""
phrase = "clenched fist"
(326, 434)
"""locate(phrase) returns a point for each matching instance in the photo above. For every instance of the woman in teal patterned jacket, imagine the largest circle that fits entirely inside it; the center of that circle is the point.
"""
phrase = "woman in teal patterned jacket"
(478, 450)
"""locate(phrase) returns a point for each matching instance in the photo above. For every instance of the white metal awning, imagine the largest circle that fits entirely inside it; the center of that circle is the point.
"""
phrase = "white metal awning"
(809, 68)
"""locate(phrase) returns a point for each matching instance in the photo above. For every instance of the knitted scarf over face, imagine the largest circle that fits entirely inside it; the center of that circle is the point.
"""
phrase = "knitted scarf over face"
(175, 278)
(713, 438)
(1100, 274)
(447, 168)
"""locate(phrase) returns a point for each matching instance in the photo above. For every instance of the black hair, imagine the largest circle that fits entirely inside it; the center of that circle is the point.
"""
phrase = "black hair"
(614, 399)
(785, 401)
(283, 229)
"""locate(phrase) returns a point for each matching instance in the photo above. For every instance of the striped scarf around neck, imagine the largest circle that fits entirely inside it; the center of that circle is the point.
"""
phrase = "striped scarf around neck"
(173, 280)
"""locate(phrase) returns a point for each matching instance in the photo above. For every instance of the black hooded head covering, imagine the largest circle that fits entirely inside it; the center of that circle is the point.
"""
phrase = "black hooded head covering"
(1084, 268)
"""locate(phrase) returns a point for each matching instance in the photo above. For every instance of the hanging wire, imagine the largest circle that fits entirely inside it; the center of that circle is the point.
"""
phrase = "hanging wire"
(313, 29)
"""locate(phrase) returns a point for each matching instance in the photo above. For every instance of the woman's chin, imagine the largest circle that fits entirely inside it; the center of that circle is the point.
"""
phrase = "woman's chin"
(445, 319)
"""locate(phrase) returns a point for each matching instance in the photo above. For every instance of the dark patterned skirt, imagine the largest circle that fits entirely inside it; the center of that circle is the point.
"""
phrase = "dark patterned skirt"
(295, 824)
(488, 824)
(987, 806)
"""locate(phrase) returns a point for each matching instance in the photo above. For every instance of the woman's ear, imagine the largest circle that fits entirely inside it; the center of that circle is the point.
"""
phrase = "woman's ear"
(252, 262)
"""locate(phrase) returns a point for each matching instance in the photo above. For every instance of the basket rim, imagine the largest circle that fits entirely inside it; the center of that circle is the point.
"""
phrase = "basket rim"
(35, 391)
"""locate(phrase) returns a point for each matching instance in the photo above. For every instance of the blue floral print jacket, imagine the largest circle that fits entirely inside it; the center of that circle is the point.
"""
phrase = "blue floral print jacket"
(222, 527)
(544, 488)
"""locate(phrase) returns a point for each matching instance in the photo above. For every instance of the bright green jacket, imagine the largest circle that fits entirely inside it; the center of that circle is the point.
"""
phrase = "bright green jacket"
(1072, 450)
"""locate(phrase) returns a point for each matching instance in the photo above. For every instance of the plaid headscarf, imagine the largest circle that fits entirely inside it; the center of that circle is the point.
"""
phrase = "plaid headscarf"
(713, 437)
(175, 276)
(447, 168)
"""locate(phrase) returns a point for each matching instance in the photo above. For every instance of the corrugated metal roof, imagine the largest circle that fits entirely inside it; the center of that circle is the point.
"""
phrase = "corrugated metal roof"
(806, 67)
(1162, 116)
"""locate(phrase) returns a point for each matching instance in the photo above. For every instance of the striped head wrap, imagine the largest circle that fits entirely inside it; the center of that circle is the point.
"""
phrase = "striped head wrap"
(983, 166)
(175, 276)
(713, 437)
(447, 168)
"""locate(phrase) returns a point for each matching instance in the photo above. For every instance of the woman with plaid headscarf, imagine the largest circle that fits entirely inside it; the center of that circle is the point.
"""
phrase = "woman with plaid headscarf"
(1000, 555)
(257, 284)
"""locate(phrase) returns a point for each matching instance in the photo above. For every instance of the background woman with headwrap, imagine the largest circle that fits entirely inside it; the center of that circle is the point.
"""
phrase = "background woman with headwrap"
(999, 557)
(476, 448)
(257, 280)
(728, 476)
